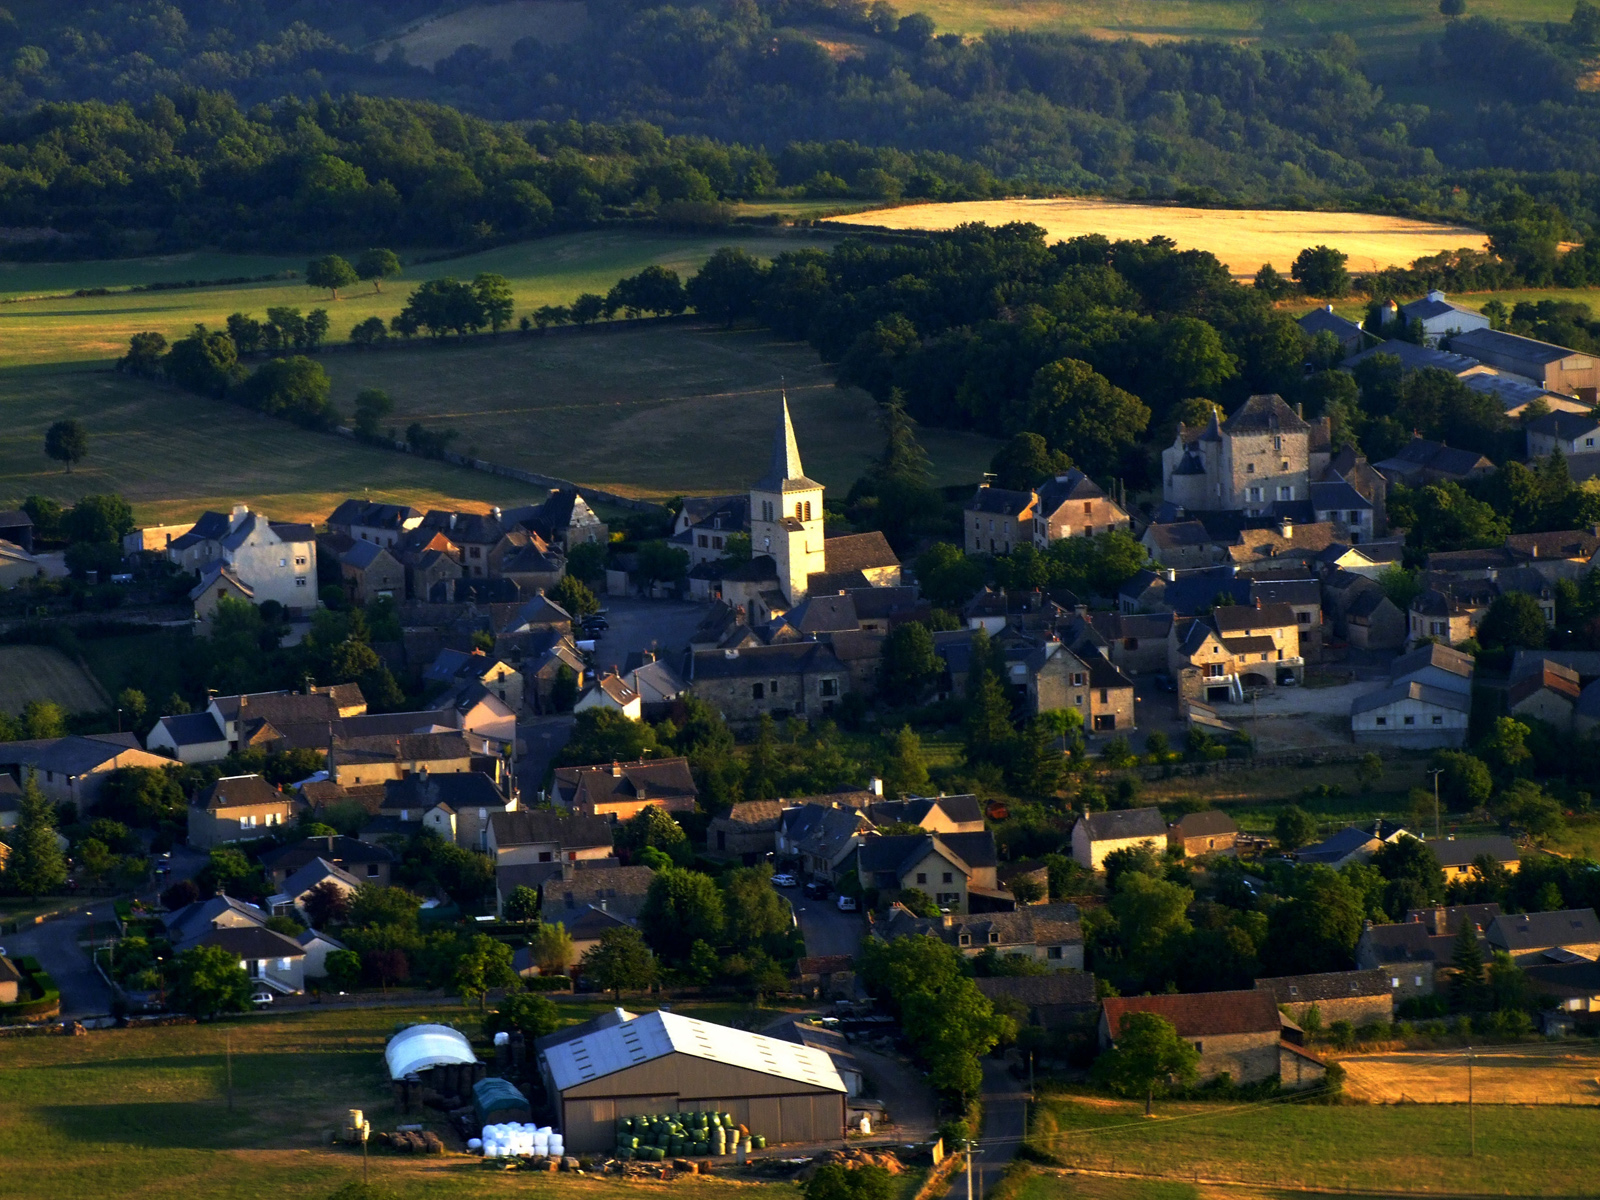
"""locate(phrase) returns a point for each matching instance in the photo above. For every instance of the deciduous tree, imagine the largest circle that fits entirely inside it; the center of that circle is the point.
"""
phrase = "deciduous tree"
(377, 265)
(620, 962)
(67, 441)
(331, 272)
(1147, 1052)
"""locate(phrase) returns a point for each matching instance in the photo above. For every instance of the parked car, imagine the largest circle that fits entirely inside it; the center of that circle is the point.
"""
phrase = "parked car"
(261, 999)
(817, 889)
(847, 903)
(784, 880)
(596, 622)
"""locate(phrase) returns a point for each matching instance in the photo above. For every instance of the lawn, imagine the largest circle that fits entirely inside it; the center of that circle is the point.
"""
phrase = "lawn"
(144, 1113)
(173, 455)
(96, 328)
(30, 673)
(1385, 27)
(651, 410)
(147, 662)
(1532, 1151)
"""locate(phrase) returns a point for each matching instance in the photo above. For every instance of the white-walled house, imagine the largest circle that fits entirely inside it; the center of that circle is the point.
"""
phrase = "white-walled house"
(1415, 715)
(1441, 319)
(274, 560)
(1098, 834)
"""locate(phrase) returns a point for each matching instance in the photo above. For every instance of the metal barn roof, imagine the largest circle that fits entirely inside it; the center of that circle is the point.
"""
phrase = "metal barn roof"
(655, 1035)
(424, 1046)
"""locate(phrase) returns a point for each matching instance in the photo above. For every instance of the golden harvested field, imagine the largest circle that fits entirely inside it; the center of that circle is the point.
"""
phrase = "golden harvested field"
(1241, 238)
(495, 27)
(42, 673)
(1542, 1074)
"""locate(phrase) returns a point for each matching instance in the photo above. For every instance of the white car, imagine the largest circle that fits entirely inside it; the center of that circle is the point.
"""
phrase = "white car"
(847, 903)
(785, 880)
(260, 999)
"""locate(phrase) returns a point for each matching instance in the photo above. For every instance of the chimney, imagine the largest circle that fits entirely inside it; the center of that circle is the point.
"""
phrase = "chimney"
(875, 786)
(452, 520)
(1170, 575)
(616, 769)
(602, 904)
(1534, 551)
(495, 512)
(947, 920)
(1441, 920)
(1327, 308)
(1286, 526)
(1300, 409)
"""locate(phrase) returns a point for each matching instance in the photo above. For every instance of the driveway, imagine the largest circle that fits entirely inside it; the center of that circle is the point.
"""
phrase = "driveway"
(55, 945)
(1005, 1116)
(636, 625)
(826, 929)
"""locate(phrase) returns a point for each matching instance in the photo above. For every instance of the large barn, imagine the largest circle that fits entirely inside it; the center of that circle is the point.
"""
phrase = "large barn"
(621, 1065)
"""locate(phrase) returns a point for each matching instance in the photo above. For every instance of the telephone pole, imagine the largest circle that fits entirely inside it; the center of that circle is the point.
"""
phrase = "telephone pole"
(969, 1169)
(1472, 1116)
(1436, 772)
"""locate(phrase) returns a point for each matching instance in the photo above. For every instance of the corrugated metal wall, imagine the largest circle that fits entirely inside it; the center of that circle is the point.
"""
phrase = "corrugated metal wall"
(780, 1110)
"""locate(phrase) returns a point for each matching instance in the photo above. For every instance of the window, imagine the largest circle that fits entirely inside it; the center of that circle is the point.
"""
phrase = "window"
(1395, 981)
(474, 552)
(1105, 695)
(799, 510)
(1088, 531)
(1277, 443)
(773, 688)
(545, 856)
(1130, 643)
(1078, 700)
(716, 543)
(1293, 990)
(299, 562)
(1077, 679)
(1588, 441)
(372, 870)
(283, 562)
(283, 964)
(1254, 493)
(949, 877)
(1215, 670)
(1410, 720)
(1418, 982)
(828, 687)
(758, 691)
(704, 541)
(1284, 466)
(922, 878)
(1053, 952)
(766, 510)
(299, 583)
(1286, 493)
(1199, 1047)
(808, 510)
(994, 939)
(966, 939)
(1249, 468)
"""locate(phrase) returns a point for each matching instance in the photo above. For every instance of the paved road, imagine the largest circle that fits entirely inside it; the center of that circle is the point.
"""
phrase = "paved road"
(1004, 1123)
(826, 929)
(55, 945)
(660, 625)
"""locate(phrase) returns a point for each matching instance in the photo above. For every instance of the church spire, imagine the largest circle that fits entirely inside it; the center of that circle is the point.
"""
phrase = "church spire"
(785, 467)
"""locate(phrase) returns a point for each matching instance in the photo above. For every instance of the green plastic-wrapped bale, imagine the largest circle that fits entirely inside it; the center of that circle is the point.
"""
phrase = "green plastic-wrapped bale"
(761, 1143)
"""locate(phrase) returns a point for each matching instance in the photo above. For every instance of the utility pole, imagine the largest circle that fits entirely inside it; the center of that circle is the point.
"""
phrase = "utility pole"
(1436, 772)
(969, 1168)
(1472, 1116)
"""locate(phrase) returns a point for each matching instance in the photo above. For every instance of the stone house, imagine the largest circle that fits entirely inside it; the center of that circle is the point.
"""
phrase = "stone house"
(1182, 545)
(997, 519)
(1237, 1033)
(1375, 622)
(237, 808)
(1422, 462)
(950, 868)
(1337, 504)
(1202, 833)
(618, 790)
(1571, 433)
(547, 837)
(368, 862)
(1098, 834)
(611, 691)
(73, 769)
(1216, 657)
(454, 668)
(1548, 694)
(1457, 854)
(1409, 953)
(748, 830)
(803, 679)
(1264, 454)
(1359, 997)
(1059, 1000)
(821, 837)
(1055, 678)
(1073, 505)
(1557, 553)
(600, 883)
(368, 571)
(367, 521)
(1304, 597)
(378, 758)
(935, 814)
(1136, 643)
(455, 805)
(1048, 934)
(565, 520)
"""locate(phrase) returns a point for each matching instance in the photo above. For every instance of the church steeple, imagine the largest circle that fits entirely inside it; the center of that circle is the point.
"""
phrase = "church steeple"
(785, 474)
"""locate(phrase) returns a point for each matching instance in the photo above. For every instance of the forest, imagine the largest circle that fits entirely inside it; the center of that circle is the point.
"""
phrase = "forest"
(1201, 121)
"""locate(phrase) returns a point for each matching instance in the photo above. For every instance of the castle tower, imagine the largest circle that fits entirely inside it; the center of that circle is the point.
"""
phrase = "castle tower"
(786, 514)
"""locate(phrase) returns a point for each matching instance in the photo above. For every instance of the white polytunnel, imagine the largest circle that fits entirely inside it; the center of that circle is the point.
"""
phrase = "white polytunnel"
(424, 1046)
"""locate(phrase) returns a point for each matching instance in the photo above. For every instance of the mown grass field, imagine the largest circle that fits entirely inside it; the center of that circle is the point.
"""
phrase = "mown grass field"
(29, 673)
(1417, 1149)
(144, 1113)
(1241, 238)
(549, 270)
(495, 27)
(1383, 27)
(651, 410)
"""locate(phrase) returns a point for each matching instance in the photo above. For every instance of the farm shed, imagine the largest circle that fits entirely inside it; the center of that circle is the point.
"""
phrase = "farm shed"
(665, 1063)
(423, 1046)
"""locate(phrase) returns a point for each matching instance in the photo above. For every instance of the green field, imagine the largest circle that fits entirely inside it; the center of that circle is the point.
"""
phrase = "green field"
(1385, 27)
(1532, 1150)
(29, 673)
(653, 410)
(97, 328)
(144, 1113)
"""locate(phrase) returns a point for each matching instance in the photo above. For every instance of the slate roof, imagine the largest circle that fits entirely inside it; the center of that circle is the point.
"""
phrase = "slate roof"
(1337, 494)
(1556, 543)
(1461, 852)
(1433, 655)
(1125, 823)
(656, 682)
(1320, 320)
(1072, 485)
(1209, 823)
(754, 816)
(1564, 426)
(313, 873)
(858, 552)
(534, 826)
(212, 573)
(1178, 535)
(785, 467)
(1414, 358)
(458, 789)
(193, 729)
(1202, 1014)
(824, 614)
(1411, 690)
(1481, 915)
(1535, 931)
(1059, 989)
(334, 848)
(375, 515)
(1267, 413)
(1241, 617)
(1421, 454)
(665, 779)
(252, 941)
(237, 791)
(1001, 502)
(1497, 341)
(1330, 985)
(914, 810)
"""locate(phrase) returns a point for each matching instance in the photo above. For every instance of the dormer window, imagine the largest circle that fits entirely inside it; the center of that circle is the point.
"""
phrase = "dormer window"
(994, 939)
(966, 939)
